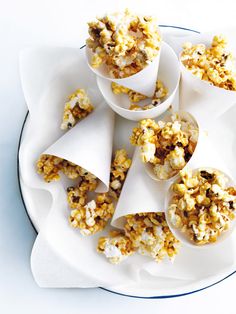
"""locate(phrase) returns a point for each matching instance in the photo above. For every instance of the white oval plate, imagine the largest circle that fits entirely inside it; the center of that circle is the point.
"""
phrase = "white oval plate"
(37, 206)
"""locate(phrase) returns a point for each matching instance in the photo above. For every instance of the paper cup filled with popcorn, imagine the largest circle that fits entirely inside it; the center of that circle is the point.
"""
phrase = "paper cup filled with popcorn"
(201, 206)
(125, 48)
(167, 146)
(141, 221)
(208, 84)
(135, 106)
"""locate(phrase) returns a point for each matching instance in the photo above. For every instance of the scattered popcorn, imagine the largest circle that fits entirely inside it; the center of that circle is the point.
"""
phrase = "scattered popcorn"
(116, 248)
(214, 64)
(134, 97)
(167, 146)
(125, 42)
(92, 216)
(119, 169)
(76, 108)
(145, 233)
(202, 206)
(49, 167)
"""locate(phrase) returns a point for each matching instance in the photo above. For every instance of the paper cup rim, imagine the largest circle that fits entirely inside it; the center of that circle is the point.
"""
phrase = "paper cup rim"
(148, 165)
(138, 112)
(184, 238)
(206, 83)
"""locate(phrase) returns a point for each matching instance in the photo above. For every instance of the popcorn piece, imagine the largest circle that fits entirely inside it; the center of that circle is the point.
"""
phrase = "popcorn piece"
(76, 108)
(134, 97)
(202, 206)
(145, 233)
(125, 42)
(214, 64)
(116, 248)
(168, 146)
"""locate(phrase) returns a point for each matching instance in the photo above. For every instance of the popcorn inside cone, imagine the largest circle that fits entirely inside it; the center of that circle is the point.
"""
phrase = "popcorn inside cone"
(141, 102)
(124, 42)
(202, 205)
(166, 146)
(214, 63)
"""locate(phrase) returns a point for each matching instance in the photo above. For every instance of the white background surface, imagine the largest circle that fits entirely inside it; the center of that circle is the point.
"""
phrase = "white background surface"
(63, 23)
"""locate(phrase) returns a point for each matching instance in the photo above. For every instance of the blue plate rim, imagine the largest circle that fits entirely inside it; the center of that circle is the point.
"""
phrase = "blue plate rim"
(106, 289)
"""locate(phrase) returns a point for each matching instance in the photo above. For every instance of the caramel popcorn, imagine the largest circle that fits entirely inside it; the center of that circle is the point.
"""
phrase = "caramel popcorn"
(49, 167)
(116, 247)
(167, 146)
(145, 233)
(92, 216)
(119, 168)
(202, 206)
(76, 108)
(134, 97)
(214, 64)
(125, 42)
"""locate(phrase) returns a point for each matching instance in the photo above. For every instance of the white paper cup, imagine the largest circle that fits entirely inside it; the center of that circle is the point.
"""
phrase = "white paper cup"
(140, 194)
(202, 99)
(181, 236)
(169, 74)
(185, 116)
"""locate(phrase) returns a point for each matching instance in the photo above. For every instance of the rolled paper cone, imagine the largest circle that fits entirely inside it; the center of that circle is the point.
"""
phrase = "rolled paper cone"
(202, 99)
(140, 194)
(169, 74)
(89, 145)
(182, 236)
(143, 82)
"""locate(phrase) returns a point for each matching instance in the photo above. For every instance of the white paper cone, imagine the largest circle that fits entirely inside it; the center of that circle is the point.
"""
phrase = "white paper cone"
(168, 73)
(203, 100)
(143, 82)
(139, 194)
(89, 145)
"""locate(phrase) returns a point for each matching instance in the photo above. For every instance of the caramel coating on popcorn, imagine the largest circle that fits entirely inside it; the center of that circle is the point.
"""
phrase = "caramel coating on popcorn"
(145, 233)
(76, 108)
(202, 205)
(125, 42)
(119, 168)
(159, 95)
(214, 64)
(92, 216)
(167, 146)
(116, 247)
(49, 167)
